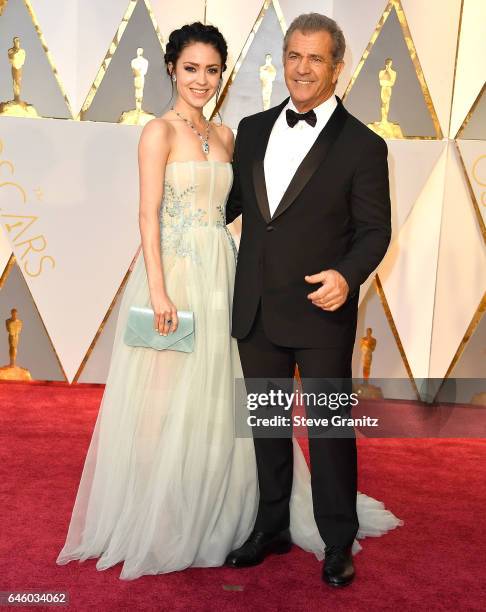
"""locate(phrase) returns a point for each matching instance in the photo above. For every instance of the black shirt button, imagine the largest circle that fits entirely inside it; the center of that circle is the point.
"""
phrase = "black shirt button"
(270, 228)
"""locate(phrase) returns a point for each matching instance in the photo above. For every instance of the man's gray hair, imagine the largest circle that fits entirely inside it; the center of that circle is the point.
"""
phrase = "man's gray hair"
(315, 22)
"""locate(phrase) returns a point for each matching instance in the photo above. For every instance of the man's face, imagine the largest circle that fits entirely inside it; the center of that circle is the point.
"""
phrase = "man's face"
(309, 72)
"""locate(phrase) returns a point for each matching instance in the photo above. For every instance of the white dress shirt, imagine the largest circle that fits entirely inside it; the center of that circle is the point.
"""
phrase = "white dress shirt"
(288, 146)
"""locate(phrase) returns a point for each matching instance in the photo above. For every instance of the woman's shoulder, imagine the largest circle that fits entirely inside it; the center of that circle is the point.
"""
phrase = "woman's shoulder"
(224, 131)
(156, 134)
(158, 125)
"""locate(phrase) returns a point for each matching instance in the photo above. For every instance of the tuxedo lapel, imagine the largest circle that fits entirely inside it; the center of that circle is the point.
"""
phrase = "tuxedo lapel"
(259, 155)
(314, 158)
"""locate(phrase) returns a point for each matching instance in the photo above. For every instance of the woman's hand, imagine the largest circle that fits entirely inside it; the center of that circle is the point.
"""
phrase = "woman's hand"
(165, 314)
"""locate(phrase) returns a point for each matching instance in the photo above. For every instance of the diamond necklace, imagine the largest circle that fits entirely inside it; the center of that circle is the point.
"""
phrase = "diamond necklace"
(204, 141)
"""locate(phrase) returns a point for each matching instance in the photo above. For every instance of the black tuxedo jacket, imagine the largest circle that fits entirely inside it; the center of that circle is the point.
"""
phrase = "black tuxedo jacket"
(335, 214)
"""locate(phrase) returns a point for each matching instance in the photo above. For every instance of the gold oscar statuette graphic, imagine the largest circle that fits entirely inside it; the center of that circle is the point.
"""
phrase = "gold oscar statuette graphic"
(137, 116)
(17, 107)
(367, 345)
(386, 128)
(268, 73)
(12, 371)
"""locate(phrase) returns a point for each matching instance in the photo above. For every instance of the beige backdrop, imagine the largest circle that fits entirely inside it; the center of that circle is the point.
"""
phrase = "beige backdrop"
(68, 194)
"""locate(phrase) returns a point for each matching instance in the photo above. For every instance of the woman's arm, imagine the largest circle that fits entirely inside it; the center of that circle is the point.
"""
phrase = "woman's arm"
(153, 152)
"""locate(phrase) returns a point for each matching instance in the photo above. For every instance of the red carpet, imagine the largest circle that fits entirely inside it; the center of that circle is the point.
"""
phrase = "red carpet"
(436, 561)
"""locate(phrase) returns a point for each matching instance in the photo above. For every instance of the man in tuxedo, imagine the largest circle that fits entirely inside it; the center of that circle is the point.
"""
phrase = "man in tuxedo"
(311, 182)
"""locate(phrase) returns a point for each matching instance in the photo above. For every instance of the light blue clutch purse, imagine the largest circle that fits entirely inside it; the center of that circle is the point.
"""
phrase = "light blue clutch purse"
(140, 331)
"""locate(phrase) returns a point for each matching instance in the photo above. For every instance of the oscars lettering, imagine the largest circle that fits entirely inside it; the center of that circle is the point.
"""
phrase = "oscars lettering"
(16, 226)
(480, 181)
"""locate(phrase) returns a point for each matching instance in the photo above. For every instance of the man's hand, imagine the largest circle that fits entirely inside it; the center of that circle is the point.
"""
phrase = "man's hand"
(333, 292)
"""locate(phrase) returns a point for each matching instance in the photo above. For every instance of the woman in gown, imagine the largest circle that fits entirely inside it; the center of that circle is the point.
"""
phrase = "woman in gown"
(166, 484)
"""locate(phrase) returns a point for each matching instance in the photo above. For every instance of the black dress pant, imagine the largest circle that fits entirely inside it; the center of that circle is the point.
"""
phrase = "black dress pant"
(333, 459)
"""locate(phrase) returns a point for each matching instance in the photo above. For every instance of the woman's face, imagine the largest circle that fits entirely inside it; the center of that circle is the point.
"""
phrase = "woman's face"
(198, 71)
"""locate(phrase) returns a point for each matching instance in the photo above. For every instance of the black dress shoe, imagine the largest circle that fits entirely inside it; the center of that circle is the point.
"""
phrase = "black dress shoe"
(258, 546)
(338, 569)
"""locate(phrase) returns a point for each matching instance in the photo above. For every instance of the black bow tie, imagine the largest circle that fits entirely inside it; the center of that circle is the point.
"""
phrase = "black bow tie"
(293, 118)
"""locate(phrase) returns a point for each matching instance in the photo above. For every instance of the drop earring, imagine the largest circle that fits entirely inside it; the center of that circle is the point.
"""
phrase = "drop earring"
(174, 78)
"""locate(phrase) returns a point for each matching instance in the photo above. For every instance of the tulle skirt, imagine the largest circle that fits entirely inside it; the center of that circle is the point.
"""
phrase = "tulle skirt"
(166, 484)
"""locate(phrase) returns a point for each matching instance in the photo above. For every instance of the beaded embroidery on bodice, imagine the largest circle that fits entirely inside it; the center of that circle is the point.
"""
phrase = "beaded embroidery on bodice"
(195, 194)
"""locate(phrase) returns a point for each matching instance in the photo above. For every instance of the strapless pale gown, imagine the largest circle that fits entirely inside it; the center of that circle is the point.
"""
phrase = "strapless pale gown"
(166, 485)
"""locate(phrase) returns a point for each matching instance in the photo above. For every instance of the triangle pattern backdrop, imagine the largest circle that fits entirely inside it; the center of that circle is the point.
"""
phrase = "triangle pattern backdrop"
(35, 350)
(474, 126)
(470, 65)
(408, 272)
(234, 20)
(243, 96)
(387, 360)
(79, 46)
(410, 103)
(464, 379)
(357, 33)
(5, 251)
(96, 367)
(471, 361)
(172, 14)
(434, 28)
(438, 210)
(113, 91)
(410, 164)
(40, 85)
(96, 363)
(461, 273)
(473, 157)
(79, 202)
